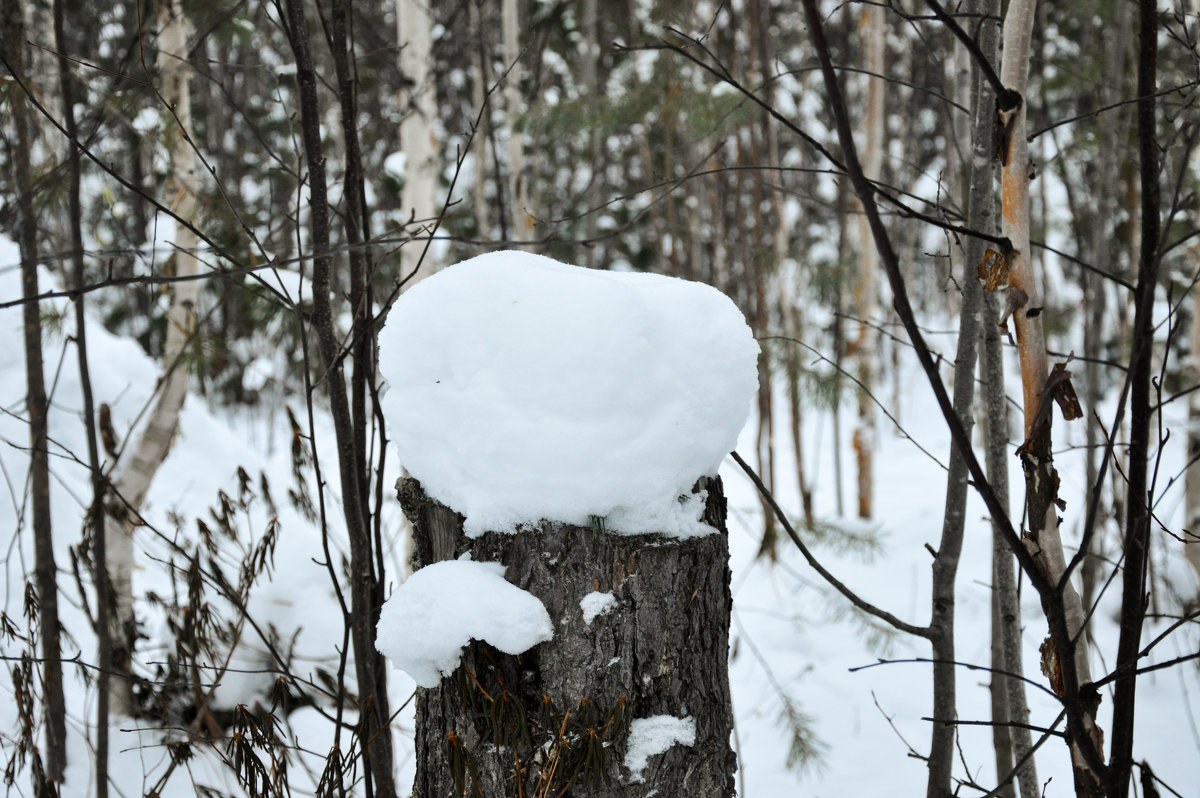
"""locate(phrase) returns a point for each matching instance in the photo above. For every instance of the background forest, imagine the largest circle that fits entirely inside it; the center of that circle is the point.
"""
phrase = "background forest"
(209, 207)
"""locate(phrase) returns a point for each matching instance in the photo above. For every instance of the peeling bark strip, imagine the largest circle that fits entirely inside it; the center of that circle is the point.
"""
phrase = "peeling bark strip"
(1041, 478)
(558, 716)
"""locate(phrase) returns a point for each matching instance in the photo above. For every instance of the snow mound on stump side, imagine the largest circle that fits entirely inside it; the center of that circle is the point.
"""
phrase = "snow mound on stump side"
(523, 389)
(653, 736)
(431, 617)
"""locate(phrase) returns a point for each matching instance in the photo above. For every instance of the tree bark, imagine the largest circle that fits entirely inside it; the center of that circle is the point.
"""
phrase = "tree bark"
(558, 715)
(364, 578)
(1097, 247)
(1191, 533)
(96, 514)
(36, 405)
(1012, 743)
(514, 108)
(1004, 587)
(414, 24)
(1025, 302)
(133, 480)
(945, 564)
(1136, 544)
(866, 289)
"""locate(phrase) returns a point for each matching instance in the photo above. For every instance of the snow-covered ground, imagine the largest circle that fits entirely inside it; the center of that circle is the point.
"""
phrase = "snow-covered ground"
(792, 635)
(793, 639)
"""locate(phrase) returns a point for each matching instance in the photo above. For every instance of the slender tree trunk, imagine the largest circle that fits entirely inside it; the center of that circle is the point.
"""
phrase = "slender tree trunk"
(514, 109)
(133, 480)
(998, 694)
(590, 81)
(479, 86)
(36, 404)
(374, 713)
(1004, 589)
(839, 349)
(1009, 704)
(866, 289)
(96, 511)
(1079, 710)
(1025, 301)
(1136, 544)
(1101, 252)
(418, 130)
(555, 720)
(1191, 548)
(1191, 544)
(945, 564)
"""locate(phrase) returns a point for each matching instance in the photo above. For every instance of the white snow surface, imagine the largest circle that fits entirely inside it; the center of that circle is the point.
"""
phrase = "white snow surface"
(653, 736)
(524, 389)
(595, 604)
(431, 617)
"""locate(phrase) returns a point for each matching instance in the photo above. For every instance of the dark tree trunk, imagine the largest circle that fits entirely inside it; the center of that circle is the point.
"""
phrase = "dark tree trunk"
(12, 37)
(365, 570)
(1134, 581)
(560, 713)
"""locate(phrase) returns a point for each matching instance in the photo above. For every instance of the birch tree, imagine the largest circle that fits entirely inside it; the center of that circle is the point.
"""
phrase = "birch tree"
(518, 188)
(1023, 308)
(866, 289)
(1010, 709)
(135, 474)
(418, 130)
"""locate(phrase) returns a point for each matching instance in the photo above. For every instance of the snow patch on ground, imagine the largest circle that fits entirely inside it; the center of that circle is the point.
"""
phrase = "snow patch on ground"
(437, 611)
(653, 736)
(525, 389)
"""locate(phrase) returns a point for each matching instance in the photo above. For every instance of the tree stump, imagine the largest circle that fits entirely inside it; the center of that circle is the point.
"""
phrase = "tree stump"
(555, 720)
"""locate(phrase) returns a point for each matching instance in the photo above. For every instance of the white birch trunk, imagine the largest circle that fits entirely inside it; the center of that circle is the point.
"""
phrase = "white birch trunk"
(483, 222)
(418, 131)
(518, 192)
(866, 289)
(149, 450)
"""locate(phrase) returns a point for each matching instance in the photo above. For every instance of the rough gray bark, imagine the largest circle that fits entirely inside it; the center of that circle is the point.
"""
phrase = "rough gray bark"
(1004, 586)
(998, 694)
(560, 712)
(945, 564)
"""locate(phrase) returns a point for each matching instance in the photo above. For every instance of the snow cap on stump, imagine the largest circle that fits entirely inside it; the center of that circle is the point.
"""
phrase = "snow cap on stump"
(523, 389)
